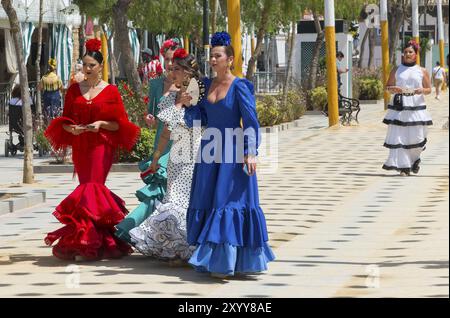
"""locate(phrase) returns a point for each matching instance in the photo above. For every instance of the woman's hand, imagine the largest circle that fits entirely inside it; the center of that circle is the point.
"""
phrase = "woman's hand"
(250, 162)
(94, 127)
(150, 120)
(154, 166)
(394, 89)
(77, 129)
(418, 91)
(184, 99)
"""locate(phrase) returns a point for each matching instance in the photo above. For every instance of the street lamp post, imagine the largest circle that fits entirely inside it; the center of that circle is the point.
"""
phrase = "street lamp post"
(206, 35)
(234, 28)
(440, 32)
(415, 25)
(384, 48)
(330, 39)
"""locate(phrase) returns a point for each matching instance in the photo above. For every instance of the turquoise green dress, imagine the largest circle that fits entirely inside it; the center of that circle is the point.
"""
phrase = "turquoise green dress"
(155, 184)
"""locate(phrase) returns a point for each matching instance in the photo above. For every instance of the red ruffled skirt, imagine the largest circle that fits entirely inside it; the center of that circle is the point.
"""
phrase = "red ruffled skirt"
(91, 211)
(89, 214)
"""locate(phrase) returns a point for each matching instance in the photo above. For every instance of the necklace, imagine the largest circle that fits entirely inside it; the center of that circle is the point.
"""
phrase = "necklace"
(95, 86)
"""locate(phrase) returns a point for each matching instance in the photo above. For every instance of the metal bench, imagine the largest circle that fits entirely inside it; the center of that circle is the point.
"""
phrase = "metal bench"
(348, 109)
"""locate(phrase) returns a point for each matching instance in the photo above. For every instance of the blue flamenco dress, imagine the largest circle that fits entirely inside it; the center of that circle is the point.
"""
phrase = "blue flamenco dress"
(155, 184)
(224, 219)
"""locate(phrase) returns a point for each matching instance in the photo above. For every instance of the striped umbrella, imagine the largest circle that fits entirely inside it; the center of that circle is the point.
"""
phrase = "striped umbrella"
(27, 34)
(135, 46)
(62, 48)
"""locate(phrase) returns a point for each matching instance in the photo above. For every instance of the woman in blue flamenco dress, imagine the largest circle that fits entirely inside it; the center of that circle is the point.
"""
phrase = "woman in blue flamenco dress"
(155, 183)
(224, 219)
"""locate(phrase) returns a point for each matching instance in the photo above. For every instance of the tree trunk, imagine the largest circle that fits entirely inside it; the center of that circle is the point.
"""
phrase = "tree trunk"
(395, 18)
(316, 52)
(121, 30)
(372, 34)
(38, 66)
(363, 47)
(287, 79)
(259, 40)
(82, 34)
(140, 32)
(16, 33)
(214, 8)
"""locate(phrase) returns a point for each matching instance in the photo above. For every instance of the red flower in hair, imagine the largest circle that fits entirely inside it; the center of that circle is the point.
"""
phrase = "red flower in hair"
(414, 45)
(167, 45)
(180, 54)
(93, 45)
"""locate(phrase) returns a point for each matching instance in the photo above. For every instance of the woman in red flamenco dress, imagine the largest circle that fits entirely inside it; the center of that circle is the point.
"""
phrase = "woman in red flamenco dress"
(94, 123)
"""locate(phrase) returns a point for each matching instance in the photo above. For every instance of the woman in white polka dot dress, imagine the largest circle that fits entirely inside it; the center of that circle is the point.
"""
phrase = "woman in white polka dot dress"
(163, 234)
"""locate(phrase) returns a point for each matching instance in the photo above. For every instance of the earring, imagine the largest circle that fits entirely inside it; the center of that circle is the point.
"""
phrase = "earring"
(186, 80)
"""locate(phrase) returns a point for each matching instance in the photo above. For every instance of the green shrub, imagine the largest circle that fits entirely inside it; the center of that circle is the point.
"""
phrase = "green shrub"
(370, 89)
(319, 97)
(268, 111)
(42, 141)
(142, 149)
(295, 106)
(359, 74)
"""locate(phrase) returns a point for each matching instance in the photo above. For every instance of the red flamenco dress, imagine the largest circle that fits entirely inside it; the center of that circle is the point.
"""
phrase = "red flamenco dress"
(91, 211)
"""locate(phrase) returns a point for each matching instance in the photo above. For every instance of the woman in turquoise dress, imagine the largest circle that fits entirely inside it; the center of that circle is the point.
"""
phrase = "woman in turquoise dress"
(224, 219)
(156, 183)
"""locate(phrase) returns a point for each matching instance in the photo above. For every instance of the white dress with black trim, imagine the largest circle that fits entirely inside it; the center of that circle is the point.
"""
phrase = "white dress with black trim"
(407, 121)
(163, 234)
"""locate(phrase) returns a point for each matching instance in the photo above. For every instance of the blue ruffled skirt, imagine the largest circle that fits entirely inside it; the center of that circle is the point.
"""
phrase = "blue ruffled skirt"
(229, 240)
(229, 260)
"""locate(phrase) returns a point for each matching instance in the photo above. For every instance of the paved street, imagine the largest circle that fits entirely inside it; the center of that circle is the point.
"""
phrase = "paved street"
(340, 226)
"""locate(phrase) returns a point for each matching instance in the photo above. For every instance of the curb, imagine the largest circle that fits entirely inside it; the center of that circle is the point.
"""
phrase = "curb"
(368, 102)
(281, 127)
(25, 200)
(68, 168)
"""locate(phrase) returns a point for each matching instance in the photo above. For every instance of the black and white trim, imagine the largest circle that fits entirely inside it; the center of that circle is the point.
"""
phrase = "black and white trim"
(402, 108)
(397, 122)
(397, 146)
(414, 168)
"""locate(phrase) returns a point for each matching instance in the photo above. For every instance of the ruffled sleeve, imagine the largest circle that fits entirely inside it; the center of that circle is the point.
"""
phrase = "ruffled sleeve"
(55, 133)
(128, 133)
(247, 107)
(169, 114)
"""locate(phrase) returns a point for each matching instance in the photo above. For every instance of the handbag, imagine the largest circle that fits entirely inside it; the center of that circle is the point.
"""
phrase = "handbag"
(398, 100)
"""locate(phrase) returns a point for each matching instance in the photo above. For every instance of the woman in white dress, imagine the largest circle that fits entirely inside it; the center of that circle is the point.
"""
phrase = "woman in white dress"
(407, 117)
(163, 234)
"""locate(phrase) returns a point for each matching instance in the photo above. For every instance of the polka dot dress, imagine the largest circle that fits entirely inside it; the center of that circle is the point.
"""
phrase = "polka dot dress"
(163, 234)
